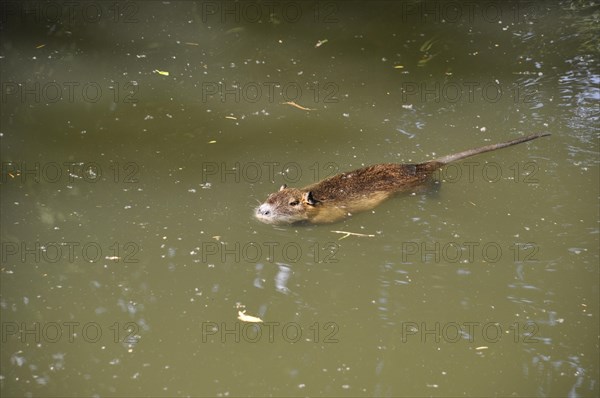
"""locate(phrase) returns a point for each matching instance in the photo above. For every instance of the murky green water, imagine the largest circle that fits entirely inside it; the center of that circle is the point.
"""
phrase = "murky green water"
(137, 138)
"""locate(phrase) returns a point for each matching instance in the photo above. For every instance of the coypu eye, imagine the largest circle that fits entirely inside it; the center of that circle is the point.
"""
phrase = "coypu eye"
(294, 203)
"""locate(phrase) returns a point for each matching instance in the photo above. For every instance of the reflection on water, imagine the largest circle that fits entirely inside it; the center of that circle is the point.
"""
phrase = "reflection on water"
(125, 274)
(580, 93)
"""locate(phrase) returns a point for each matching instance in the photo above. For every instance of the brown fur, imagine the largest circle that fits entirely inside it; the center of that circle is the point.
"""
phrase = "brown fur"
(336, 197)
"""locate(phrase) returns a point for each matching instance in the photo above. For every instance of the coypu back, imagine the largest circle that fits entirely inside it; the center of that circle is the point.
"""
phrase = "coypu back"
(385, 177)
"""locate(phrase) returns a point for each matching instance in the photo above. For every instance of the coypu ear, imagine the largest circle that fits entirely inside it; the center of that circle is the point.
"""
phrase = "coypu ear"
(284, 186)
(308, 198)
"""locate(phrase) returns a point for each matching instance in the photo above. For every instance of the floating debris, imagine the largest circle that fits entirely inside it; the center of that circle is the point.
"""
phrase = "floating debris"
(295, 105)
(321, 42)
(237, 29)
(248, 318)
(426, 58)
(428, 44)
(425, 47)
(347, 234)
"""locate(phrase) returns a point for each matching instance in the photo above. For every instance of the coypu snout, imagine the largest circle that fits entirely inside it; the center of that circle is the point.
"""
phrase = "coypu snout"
(263, 210)
(286, 206)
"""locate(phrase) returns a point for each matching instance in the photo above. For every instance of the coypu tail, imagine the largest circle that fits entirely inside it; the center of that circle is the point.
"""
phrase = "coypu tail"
(487, 148)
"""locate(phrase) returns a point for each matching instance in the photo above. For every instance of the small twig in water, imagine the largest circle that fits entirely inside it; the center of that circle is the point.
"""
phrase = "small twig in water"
(295, 105)
(347, 234)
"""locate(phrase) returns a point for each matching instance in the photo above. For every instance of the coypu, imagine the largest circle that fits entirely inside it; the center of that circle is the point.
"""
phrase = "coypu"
(334, 198)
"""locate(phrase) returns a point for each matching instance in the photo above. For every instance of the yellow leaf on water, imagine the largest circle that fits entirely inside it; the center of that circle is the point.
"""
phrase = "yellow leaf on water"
(248, 318)
(162, 72)
(212, 142)
(321, 42)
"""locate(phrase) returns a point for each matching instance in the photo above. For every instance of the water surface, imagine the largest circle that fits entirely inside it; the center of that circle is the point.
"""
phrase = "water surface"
(135, 144)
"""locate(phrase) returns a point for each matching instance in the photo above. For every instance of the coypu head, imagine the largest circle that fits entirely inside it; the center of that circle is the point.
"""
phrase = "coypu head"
(286, 206)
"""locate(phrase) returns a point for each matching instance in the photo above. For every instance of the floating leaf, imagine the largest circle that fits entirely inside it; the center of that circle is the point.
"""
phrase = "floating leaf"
(321, 42)
(428, 44)
(248, 318)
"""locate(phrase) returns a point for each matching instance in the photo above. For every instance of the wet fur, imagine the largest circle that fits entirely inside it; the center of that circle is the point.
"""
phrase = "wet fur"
(336, 197)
